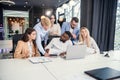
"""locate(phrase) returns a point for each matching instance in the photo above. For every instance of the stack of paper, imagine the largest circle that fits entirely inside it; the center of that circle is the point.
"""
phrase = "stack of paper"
(39, 59)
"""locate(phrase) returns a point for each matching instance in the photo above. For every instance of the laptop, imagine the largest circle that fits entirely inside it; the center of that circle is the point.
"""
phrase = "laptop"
(75, 52)
(105, 73)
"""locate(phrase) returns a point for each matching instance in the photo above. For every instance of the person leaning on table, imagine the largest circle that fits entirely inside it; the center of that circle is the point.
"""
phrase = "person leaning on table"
(59, 45)
(73, 27)
(85, 38)
(26, 47)
(42, 29)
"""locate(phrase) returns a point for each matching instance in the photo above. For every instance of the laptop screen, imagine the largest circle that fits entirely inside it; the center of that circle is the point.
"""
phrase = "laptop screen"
(76, 52)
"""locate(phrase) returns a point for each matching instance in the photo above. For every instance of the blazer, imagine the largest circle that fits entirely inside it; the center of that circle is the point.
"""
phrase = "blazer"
(22, 50)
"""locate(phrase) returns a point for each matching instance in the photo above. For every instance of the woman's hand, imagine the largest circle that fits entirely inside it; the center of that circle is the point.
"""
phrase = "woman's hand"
(33, 54)
(25, 55)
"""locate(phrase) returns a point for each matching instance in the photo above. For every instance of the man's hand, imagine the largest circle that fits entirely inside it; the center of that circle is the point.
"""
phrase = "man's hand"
(62, 54)
(74, 36)
(47, 50)
(44, 45)
(46, 54)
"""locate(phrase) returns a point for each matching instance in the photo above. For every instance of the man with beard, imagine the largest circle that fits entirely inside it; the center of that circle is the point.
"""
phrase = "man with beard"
(73, 27)
(59, 45)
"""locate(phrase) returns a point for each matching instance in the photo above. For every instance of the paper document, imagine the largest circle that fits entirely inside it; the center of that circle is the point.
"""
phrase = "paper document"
(39, 59)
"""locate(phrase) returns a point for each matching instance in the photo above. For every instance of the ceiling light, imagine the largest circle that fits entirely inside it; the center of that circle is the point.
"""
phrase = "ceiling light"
(24, 6)
(26, 2)
(48, 12)
(7, 2)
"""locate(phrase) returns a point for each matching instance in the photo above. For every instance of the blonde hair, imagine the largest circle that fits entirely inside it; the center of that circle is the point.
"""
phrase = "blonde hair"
(45, 21)
(42, 17)
(81, 39)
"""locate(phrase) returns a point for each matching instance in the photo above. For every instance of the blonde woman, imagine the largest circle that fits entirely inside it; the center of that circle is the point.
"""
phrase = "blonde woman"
(42, 29)
(26, 47)
(85, 38)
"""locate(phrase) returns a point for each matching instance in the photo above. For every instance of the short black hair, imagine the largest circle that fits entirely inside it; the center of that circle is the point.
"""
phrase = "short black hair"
(69, 34)
(75, 19)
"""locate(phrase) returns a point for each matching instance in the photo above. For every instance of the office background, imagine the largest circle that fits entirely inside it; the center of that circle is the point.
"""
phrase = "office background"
(98, 15)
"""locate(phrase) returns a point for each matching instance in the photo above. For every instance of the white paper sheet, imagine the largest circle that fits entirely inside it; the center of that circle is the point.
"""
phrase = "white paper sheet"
(39, 59)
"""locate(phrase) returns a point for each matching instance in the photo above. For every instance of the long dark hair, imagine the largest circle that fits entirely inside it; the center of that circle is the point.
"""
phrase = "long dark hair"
(28, 31)
(25, 37)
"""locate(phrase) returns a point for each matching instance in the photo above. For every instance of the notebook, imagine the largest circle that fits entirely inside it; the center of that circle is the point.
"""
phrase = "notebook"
(75, 52)
(105, 73)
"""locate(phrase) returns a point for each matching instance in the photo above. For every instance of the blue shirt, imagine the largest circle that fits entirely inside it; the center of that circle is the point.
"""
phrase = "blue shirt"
(66, 27)
(42, 35)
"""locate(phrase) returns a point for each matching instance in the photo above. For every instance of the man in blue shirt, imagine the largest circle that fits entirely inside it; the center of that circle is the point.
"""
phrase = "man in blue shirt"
(72, 27)
(42, 29)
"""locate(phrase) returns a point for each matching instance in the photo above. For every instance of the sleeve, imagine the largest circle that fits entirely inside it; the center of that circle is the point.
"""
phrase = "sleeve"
(59, 30)
(39, 44)
(77, 32)
(50, 44)
(95, 46)
(46, 37)
(37, 53)
(70, 43)
(18, 50)
(63, 28)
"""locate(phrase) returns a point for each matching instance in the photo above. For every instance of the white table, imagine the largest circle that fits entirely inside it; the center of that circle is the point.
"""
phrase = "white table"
(17, 69)
(58, 69)
(74, 69)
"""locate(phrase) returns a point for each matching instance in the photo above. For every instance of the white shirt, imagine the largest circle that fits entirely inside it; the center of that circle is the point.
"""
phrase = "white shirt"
(55, 30)
(42, 35)
(56, 46)
(30, 48)
(71, 30)
(93, 46)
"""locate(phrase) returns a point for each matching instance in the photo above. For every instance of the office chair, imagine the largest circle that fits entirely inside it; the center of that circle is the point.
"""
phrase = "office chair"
(15, 40)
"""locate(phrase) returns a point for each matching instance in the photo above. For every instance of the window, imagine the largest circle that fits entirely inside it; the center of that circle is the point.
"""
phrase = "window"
(117, 30)
(71, 10)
